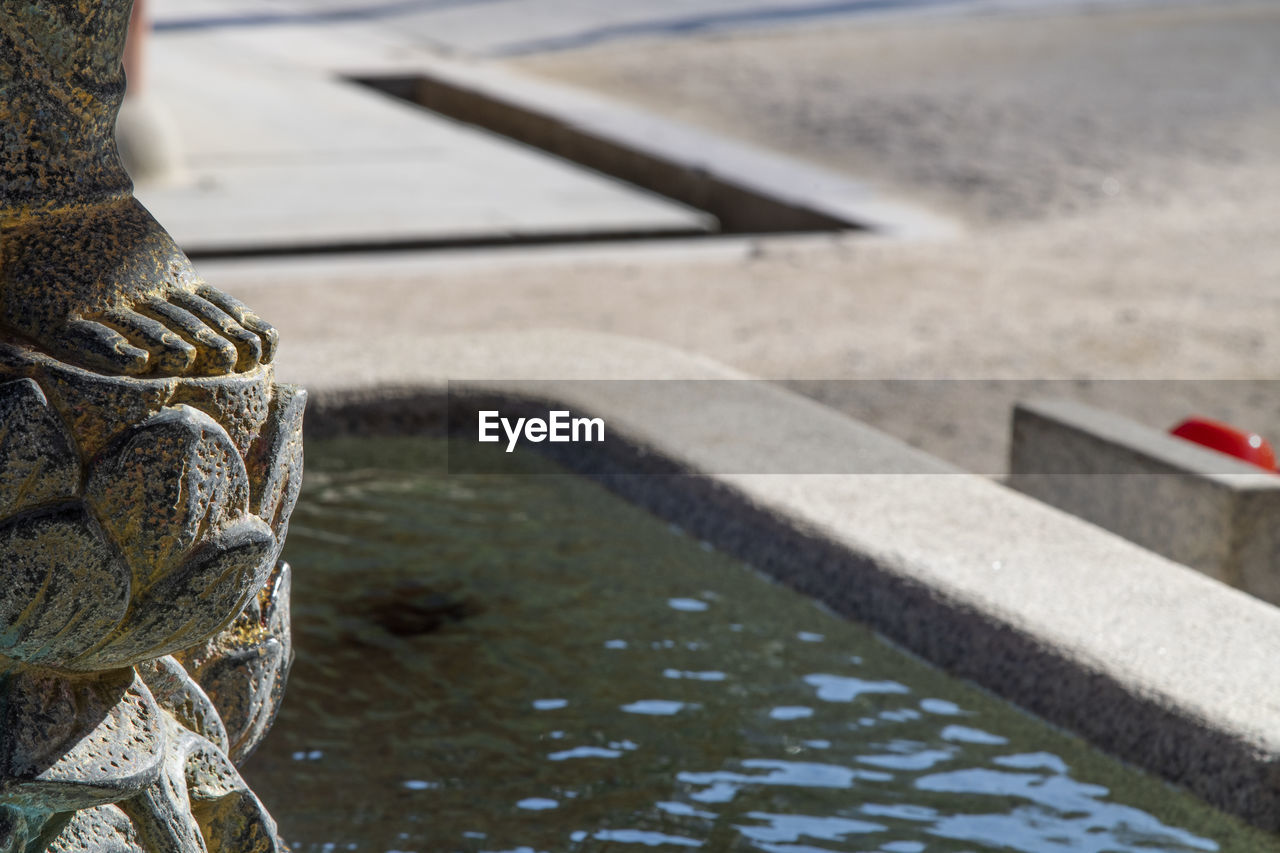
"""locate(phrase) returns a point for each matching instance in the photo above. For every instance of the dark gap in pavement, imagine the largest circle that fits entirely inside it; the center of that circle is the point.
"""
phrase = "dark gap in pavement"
(739, 209)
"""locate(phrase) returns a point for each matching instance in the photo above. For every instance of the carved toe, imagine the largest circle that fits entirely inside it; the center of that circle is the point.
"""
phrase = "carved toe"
(245, 316)
(247, 344)
(215, 355)
(102, 348)
(170, 355)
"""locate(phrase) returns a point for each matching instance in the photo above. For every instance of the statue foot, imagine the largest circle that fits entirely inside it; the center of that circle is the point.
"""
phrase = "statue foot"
(153, 317)
(181, 332)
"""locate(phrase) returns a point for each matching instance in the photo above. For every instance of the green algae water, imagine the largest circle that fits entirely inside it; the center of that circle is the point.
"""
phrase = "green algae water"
(528, 664)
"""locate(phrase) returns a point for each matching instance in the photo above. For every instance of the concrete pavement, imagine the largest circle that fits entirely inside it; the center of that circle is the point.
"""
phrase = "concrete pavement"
(505, 28)
(1176, 282)
(280, 156)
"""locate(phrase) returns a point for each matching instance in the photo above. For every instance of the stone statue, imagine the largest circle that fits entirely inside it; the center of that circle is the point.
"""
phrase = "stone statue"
(148, 467)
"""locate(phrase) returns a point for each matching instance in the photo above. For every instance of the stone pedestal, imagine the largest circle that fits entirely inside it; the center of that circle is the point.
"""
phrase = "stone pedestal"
(148, 466)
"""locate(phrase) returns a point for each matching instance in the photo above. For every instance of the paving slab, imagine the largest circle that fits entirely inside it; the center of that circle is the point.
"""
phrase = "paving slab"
(280, 157)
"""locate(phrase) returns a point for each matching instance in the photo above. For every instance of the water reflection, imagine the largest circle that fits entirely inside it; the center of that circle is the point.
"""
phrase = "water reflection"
(537, 804)
(610, 685)
(712, 675)
(838, 688)
(781, 827)
(636, 836)
(584, 752)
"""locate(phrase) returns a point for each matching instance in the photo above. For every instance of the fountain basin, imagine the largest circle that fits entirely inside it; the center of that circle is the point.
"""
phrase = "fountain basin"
(522, 661)
(1144, 658)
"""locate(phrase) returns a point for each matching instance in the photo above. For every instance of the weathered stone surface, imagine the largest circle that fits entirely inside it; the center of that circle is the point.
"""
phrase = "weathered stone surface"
(103, 287)
(200, 796)
(65, 590)
(162, 812)
(39, 464)
(179, 694)
(103, 829)
(172, 495)
(243, 669)
(194, 600)
(60, 83)
(275, 461)
(73, 743)
(16, 829)
(98, 408)
(181, 479)
(239, 402)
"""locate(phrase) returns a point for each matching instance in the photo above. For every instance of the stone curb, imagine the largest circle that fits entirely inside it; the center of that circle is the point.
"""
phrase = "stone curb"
(748, 189)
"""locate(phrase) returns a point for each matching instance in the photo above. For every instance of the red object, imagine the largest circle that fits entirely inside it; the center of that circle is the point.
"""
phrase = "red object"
(1249, 446)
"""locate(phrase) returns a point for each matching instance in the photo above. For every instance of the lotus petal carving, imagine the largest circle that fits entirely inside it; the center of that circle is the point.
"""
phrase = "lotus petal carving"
(120, 551)
(39, 463)
(172, 531)
(65, 589)
(166, 484)
(245, 667)
(73, 743)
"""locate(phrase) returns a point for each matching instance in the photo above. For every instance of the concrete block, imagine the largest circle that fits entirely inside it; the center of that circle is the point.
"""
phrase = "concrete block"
(1194, 505)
